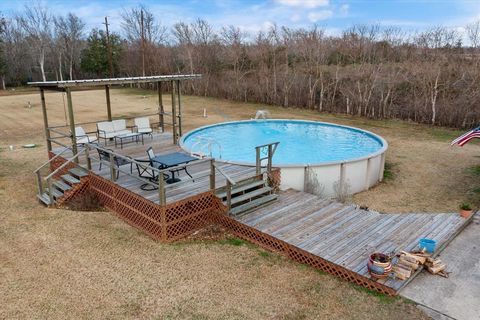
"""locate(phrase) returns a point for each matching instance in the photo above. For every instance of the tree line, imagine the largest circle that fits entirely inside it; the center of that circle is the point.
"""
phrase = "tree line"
(374, 71)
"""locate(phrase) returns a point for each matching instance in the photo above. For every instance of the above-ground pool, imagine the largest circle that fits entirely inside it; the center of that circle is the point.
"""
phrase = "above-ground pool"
(312, 155)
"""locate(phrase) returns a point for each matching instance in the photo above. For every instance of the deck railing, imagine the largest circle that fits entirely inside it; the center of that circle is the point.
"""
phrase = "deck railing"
(48, 179)
(154, 172)
(265, 152)
(229, 184)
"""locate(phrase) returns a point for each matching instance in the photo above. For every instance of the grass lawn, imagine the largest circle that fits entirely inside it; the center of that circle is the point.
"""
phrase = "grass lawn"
(59, 263)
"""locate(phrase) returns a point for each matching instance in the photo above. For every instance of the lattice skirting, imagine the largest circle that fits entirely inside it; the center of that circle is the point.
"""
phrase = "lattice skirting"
(274, 179)
(77, 190)
(57, 163)
(184, 217)
(273, 244)
(166, 224)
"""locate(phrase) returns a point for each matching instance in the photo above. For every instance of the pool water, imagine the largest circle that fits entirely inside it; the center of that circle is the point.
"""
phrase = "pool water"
(301, 142)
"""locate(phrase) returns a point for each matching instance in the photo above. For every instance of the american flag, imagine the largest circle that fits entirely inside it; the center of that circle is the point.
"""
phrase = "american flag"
(465, 138)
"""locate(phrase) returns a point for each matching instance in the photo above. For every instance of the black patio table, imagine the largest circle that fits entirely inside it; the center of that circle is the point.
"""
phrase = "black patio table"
(172, 160)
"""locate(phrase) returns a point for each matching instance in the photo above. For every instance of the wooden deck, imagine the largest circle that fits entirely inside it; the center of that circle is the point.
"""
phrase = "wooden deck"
(345, 234)
(342, 235)
(162, 144)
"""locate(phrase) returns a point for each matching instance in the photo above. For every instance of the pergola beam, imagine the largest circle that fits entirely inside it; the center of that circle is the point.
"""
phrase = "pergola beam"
(179, 110)
(72, 122)
(112, 81)
(109, 107)
(69, 85)
(45, 120)
(174, 115)
(161, 109)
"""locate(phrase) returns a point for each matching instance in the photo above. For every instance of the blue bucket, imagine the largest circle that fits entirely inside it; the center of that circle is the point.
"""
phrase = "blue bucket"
(427, 244)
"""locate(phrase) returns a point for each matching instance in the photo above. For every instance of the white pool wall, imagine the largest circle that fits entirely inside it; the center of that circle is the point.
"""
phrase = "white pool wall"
(350, 176)
(355, 176)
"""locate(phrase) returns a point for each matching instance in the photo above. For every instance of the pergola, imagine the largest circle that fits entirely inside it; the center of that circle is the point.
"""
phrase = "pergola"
(68, 86)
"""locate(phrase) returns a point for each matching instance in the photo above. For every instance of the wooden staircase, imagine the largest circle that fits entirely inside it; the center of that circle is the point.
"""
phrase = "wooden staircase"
(62, 185)
(246, 195)
(241, 197)
(53, 186)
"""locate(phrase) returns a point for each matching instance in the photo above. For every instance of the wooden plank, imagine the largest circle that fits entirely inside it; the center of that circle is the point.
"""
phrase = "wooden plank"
(286, 202)
(331, 209)
(347, 238)
(376, 242)
(332, 234)
(261, 219)
(319, 223)
(283, 218)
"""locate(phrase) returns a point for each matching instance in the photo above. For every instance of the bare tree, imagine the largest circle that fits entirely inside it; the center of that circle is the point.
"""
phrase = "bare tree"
(69, 33)
(36, 21)
(3, 64)
(473, 33)
(144, 32)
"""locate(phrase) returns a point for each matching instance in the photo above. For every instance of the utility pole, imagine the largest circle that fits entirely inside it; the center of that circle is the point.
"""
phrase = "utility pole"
(109, 50)
(142, 32)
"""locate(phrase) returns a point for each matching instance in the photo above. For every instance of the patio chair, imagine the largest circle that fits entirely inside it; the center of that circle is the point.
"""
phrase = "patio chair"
(120, 127)
(82, 137)
(118, 162)
(142, 126)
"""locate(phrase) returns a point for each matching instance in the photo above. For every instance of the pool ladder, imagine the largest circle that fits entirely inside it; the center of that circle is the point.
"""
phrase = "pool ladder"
(205, 144)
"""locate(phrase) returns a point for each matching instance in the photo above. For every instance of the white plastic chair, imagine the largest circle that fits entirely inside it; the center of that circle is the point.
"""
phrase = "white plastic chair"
(82, 137)
(143, 126)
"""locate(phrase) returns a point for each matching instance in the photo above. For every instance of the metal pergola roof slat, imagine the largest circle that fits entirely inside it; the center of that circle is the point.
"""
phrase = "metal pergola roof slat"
(111, 81)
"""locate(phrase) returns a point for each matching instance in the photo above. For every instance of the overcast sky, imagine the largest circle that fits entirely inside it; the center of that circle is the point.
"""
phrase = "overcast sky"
(250, 15)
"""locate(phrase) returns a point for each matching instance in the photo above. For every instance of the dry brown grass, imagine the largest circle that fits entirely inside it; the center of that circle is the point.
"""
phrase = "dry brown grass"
(59, 263)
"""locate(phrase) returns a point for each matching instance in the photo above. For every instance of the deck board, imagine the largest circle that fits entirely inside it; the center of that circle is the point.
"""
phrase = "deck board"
(343, 234)
(162, 144)
(346, 235)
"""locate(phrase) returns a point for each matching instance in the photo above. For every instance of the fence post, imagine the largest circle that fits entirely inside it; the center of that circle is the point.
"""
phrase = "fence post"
(87, 154)
(229, 195)
(258, 162)
(161, 189)
(269, 165)
(50, 190)
(212, 174)
(39, 183)
(112, 168)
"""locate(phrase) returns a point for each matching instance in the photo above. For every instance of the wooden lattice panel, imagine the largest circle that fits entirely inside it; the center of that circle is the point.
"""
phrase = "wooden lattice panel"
(181, 218)
(189, 215)
(57, 162)
(270, 243)
(76, 191)
(274, 179)
(129, 206)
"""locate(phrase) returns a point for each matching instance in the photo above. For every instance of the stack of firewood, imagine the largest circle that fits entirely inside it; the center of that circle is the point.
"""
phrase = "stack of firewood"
(409, 262)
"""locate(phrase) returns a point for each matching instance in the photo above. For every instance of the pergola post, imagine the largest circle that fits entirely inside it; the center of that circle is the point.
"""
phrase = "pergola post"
(174, 115)
(107, 96)
(72, 122)
(161, 109)
(179, 110)
(45, 120)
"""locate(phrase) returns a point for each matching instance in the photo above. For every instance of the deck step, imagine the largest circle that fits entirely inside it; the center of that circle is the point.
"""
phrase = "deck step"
(70, 179)
(253, 204)
(251, 194)
(79, 172)
(62, 186)
(56, 193)
(44, 198)
(242, 188)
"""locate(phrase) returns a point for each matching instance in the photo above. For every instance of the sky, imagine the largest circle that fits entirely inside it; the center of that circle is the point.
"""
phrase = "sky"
(252, 16)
